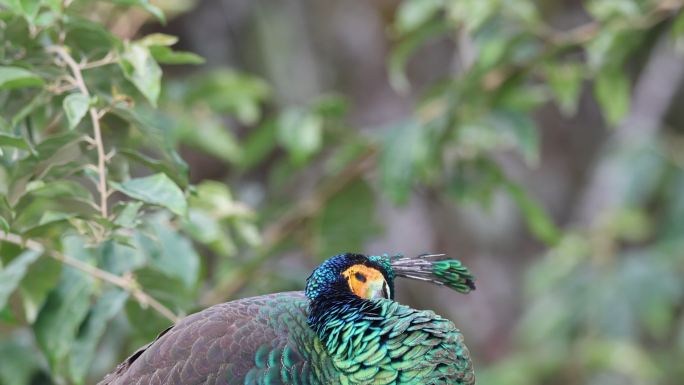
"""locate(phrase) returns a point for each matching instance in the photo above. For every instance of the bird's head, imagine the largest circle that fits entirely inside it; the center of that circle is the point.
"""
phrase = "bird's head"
(370, 277)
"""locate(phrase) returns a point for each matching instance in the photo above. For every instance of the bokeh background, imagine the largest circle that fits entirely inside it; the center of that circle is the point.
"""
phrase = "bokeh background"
(540, 142)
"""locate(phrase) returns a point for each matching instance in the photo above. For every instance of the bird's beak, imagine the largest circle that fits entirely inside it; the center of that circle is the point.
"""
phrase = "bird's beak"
(378, 289)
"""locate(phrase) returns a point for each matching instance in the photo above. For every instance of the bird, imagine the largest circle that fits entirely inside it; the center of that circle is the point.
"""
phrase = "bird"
(345, 328)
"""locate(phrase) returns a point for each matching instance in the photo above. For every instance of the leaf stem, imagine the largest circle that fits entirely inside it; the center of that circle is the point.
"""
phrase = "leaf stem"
(127, 283)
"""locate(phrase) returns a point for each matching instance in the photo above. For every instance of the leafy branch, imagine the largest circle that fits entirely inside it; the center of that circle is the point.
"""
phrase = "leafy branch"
(127, 282)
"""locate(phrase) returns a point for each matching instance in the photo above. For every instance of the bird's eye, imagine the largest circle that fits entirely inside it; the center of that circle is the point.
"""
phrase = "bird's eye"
(360, 277)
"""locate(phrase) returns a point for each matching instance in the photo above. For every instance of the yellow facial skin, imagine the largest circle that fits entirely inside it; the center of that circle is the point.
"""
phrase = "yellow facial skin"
(366, 282)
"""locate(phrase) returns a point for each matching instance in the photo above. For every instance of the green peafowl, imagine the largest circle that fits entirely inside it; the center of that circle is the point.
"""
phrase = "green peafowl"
(345, 328)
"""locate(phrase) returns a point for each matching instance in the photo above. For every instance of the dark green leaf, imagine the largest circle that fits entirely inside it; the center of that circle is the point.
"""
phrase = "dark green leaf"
(12, 274)
(75, 106)
(7, 140)
(157, 189)
(83, 351)
(17, 77)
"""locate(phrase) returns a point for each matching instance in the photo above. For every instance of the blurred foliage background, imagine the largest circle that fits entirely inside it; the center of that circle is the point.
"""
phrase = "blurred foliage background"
(157, 157)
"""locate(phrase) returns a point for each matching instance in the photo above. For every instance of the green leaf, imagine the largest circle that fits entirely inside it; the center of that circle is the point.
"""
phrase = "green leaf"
(171, 170)
(42, 277)
(157, 189)
(402, 53)
(212, 137)
(127, 214)
(565, 81)
(17, 77)
(260, 143)
(146, 5)
(538, 221)
(522, 130)
(612, 90)
(65, 308)
(166, 55)
(406, 147)
(142, 70)
(347, 220)
(83, 351)
(301, 133)
(158, 39)
(12, 274)
(19, 363)
(7, 140)
(173, 254)
(230, 91)
(75, 106)
(412, 14)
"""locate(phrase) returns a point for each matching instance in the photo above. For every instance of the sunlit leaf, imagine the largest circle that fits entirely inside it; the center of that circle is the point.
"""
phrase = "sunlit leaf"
(166, 55)
(158, 39)
(142, 70)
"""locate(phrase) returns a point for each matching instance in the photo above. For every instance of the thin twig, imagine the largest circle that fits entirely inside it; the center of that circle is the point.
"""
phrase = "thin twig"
(110, 58)
(126, 283)
(78, 78)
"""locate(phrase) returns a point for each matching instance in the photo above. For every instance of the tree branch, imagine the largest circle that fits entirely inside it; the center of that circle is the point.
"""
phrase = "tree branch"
(126, 283)
(94, 118)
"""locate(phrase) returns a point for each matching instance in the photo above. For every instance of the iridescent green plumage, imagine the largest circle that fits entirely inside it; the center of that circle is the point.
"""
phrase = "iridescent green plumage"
(326, 335)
